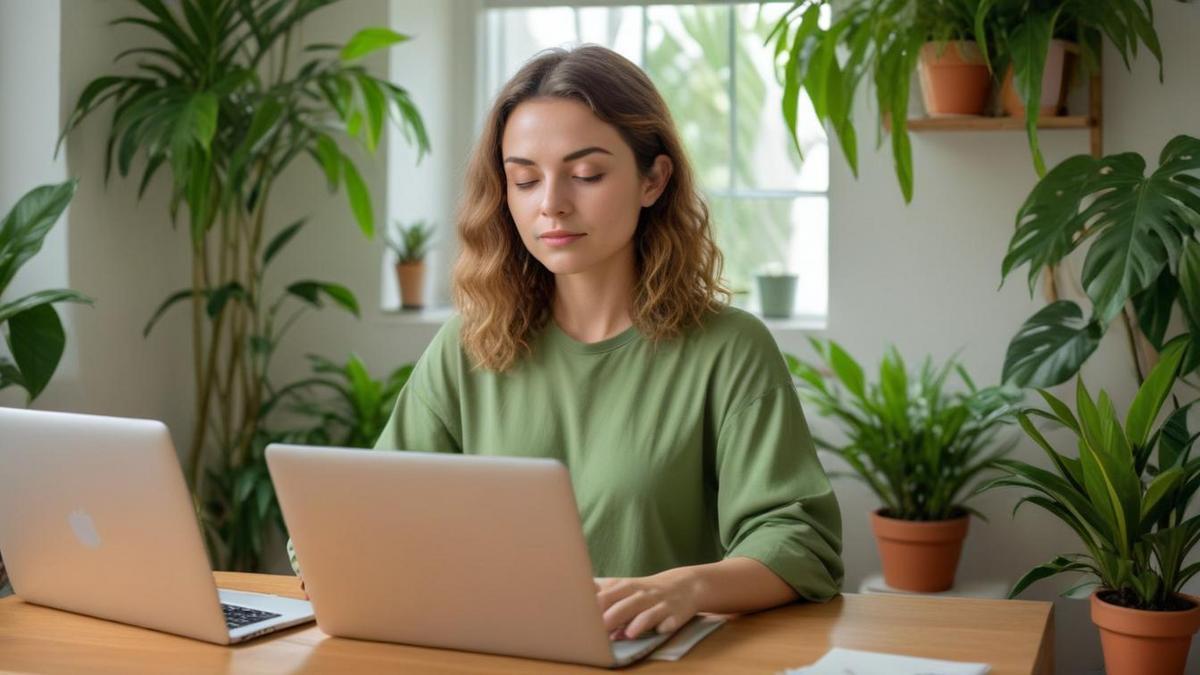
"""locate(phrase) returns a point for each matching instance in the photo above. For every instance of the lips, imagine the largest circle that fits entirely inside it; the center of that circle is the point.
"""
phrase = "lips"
(561, 237)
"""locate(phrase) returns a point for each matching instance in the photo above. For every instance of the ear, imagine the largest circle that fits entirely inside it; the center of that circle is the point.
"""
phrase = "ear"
(656, 180)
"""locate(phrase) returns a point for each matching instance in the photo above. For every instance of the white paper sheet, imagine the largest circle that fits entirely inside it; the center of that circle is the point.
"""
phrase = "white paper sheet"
(687, 637)
(838, 661)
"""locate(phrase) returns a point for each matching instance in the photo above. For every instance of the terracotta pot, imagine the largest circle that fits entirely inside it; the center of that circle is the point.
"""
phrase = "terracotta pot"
(919, 556)
(1142, 642)
(411, 277)
(1054, 83)
(954, 82)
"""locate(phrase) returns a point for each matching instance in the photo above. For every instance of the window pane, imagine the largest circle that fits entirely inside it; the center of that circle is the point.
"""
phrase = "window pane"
(766, 158)
(618, 28)
(687, 56)
(518, 34)
(792, 232)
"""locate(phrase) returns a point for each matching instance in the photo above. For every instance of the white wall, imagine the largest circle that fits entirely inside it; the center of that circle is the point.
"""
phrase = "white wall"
(29, 87)
(107, 246)
(922, 276)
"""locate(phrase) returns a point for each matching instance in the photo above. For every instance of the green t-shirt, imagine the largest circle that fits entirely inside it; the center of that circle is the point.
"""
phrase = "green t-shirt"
(679, 454)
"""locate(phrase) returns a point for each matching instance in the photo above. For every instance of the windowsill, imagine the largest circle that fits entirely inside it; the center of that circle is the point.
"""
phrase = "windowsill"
(436, 316)
(428, 316)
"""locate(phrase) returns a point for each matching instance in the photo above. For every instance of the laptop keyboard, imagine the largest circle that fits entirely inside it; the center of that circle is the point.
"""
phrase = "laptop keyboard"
(236, 617)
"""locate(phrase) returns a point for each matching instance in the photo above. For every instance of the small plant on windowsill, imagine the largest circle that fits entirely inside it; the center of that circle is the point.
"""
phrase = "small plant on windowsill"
(776, 290)
(410, 248)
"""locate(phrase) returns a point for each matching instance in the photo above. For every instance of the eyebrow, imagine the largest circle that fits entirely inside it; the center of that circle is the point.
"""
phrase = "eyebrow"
(567, 158)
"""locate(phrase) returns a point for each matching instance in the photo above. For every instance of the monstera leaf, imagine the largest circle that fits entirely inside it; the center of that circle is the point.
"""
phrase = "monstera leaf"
(1142, 231)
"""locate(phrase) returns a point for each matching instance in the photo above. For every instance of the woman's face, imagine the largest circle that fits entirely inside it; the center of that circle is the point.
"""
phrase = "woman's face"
(573, 186)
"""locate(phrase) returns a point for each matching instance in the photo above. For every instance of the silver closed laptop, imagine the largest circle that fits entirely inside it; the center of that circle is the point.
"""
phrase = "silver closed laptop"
(95, 518)
(475, 553)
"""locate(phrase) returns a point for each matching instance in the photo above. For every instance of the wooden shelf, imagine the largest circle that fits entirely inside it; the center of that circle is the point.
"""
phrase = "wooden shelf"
(995, 123)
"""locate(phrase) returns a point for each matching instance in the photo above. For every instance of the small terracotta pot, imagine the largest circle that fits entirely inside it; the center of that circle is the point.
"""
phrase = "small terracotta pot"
(1142, 642)
(954, 82)
(919, 556)
(411, 277)
(1054, 83)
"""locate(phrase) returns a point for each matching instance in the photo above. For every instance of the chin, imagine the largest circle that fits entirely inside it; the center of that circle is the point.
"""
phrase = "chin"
(564, 264)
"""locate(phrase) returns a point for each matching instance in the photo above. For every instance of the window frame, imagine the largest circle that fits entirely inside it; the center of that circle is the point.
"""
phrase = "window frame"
(488, 76)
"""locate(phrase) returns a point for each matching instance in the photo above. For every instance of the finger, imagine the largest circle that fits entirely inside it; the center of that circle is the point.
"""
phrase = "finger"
(648, 620)
(625, 609)
(619, 589)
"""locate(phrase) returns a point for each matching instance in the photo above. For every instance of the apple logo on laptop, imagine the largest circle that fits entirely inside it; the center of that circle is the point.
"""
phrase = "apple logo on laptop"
(84, 528)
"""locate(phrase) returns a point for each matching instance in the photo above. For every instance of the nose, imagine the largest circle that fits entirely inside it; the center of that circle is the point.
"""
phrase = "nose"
(556, 199)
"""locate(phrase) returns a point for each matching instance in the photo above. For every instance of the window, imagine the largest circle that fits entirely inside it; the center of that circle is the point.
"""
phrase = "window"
(717, 76)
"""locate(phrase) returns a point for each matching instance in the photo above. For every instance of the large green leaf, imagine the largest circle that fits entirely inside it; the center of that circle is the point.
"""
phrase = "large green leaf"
(1189, 296)
(1028, 45)
(25, 227)
(280, 240)
(360, 199)
(1154, 306)
(1152, 394)
(1136, 221)
(166, 304)
(311, 292)
(37, 340)
(1051, 346)
(1048, 220)
(11, 309)
(368, 40)
(848, 371)
(1057, 566)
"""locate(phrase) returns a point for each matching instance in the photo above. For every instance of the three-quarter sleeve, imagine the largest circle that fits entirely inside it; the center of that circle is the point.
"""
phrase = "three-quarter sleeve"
(774, 501)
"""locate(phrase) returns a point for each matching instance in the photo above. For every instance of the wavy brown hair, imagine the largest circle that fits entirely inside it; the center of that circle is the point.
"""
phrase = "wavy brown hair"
(504, 294)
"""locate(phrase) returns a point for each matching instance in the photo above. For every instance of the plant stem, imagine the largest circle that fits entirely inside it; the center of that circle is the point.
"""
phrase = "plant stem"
(1133, 339)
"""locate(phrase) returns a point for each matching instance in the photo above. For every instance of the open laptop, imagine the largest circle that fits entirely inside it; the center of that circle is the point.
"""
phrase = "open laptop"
(95, 518)
(475, 553)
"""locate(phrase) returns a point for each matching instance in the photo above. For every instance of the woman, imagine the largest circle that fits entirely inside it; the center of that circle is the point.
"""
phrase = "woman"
(592, 329)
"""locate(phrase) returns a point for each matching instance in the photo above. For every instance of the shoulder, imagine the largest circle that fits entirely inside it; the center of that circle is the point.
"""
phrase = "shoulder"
(440, 365)
(743, 359)
(737, 336)
(733, 326)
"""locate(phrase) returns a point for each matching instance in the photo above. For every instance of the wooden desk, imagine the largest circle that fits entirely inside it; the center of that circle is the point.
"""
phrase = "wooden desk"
(1014, 636)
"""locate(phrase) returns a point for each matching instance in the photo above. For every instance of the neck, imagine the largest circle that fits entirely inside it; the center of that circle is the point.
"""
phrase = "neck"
(597, 303)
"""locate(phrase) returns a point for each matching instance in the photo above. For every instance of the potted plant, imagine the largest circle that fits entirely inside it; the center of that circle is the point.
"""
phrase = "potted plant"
(918, 447)
(1126, 495)
(410, 249)
(224, 96)
(1026, 44)
(954, 77)
(885, 38)
(776, 291)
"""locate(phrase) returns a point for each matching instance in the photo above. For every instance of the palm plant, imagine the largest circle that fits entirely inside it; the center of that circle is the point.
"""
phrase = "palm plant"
(1144, 236)
(413, 243)
(35, 334)
(915, 445)
(353, 416)
(1129, 512)
(226, 100)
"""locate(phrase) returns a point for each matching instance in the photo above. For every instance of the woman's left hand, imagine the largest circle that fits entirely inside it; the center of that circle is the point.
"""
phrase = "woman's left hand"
(662, 602)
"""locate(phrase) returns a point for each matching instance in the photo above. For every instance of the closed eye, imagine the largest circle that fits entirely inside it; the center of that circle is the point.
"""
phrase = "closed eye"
(586, 179)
